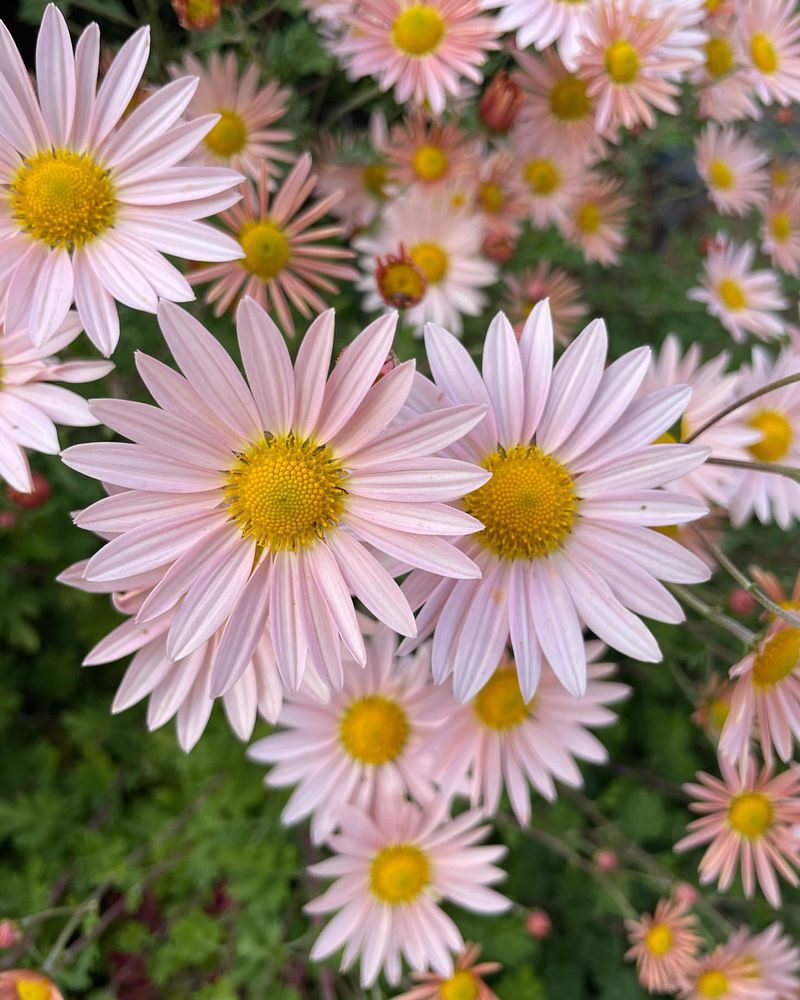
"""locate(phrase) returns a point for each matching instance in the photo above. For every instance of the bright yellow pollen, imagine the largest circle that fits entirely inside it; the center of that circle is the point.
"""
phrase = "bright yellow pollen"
(62, 199)
(401, 284)
(712, 5)
(491, 197)
(431, 260)
(375, 176)
(200, 11)
(418, 30)
(499, 703)
(33, 989)
(529, 505)
(429, 162)
(285, 493)
(712, 985)
(720, 175)
(569, 100)
(732, 294)
(779, 657)
(763, 53)
(666, 438)
(399, 874)
(750, 814)
(462, 986)
(266, 247)
(374, 730)
(542, 176)
(228, 136)
(658, 940)
(719, 57)
(588, 218)
(781, 226)
(622, 62)
(777, 435)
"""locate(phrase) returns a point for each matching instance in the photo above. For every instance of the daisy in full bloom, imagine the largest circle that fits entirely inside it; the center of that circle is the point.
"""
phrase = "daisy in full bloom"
(713, 388)
(723, 88)
(742, 299)
(466, 983)
(780, 231)
(542, 22)
(776, 416)
(768, 36)
(733, 168)
(429, 153)
(23, 984)
(285, 257)
(444, 243)
(368, 742)
(392, 869)
(574, 491)
(30, 405)
(747, 820)
(498, 198)
(261, 500)
(425, 50)
(362, 181)
(596, 220)
(562, 291)
(775, 959)
(497, 739)
(242, 137)
(664, 945)
(549, 179)
(723, 974)
(90, 205)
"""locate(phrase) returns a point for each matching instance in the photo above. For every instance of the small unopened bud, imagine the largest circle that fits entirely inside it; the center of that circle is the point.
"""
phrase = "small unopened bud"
(606, 860)
(8, 520)
(740, 602)
(707, 244)
(197, 15)
(39, 495)
(498, 247)
(538, 924)
(500, 103)
(784, 116)
(10, 933)
(686, 894)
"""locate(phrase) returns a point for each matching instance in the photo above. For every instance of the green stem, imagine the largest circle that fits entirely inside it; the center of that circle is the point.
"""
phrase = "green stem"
(770, 387)
(742, 633)
(771, 467)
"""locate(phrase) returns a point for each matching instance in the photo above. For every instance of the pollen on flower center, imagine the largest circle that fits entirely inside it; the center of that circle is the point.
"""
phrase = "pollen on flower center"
(542, 176)
(228, 136)
(719, 57)
(732, 294)
(431, 260)
(750, 814)
(763, 53)
(712, 984)
(399, 874)
(658, 940)
(588, 218)
(781, 226)
(429, 162)
(374, 177)
(569, 100)
(418, 30)
(266, 247)
(374, 730)
(499, 704)
(491, 197)
(778, 658)
(462, 986)
(622, 62)
(776, 436)
(285, 493)
(529, 505)
(400, 281)
(33, 989)
(720, 175)
(62, 198)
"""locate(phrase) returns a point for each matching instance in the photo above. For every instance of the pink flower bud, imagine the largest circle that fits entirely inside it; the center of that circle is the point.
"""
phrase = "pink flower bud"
(740, 602)
(686, 894)
(606, 860)
(538, 924)
(10, 933)
(40, 494)
(8, 520)
(500, 103)
(197, 15)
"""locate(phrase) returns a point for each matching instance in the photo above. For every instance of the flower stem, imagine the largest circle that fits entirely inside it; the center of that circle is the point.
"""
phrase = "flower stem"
(742, 633)
(732, 407)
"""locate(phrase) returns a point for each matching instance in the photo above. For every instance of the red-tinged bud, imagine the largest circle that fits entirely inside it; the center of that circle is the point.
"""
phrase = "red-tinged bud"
(500, 103)
(686, 894)
(707, 244)
(784, 116)
(8, 520)
(740, 602)
(498, 247)
(197, 15)
(10, 933)
(39, 495)
(606, 860)
(400, 280)
(538, 924)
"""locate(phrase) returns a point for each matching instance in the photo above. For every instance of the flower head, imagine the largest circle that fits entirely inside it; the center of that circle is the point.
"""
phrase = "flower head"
(724, 974)
(664, 945)
(780, 231)
(733, 168)
(596, 219)
(466, 982)
(23, 984)
(775, 960)
(360, 183)
(542, 22)
(560, 288)
(429, 153)
(768, 37)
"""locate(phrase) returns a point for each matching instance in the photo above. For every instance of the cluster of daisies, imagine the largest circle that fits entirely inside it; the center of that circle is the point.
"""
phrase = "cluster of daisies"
(397, 570)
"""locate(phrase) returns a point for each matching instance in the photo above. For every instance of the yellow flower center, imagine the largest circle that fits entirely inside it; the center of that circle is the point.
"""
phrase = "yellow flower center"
(399, 874)
(33, 989)
(750, 814)
(202, 12)
(285, 493)
(431, 260)
(763, 53)
(720, 175)
(266, 248)
(719, 710)
(462, 986)
(401, 283)
(712, 5)
(491, 197)
(418, 30)
(228, 136)
(622, 62)
(499, 703)
(776, 436)
(529, 505)
(374, 730)
(429, 162)
(375, 176)
(719, 57)
(542, 176)
(781, 226)
(588, 218)
(63, 199)
(658, 940)
(712, 984)
(569, 100)
(732, 294)
(778, 658)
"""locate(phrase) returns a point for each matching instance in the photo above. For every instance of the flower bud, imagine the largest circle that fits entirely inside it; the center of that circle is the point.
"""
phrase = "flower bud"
(538, 924)
(740, 602)
(606, 860)
(197, 15)
(39, 495)
(500, 103)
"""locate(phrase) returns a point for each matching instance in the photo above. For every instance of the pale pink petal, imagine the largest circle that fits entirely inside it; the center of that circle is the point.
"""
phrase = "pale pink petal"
(268, 366)
(55, 75)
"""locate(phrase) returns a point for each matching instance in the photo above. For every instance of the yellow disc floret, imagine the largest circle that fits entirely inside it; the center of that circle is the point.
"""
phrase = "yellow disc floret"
(750, 814)
(763, 53)
(777, 435)
(529, 505)
(62, 198)
(418, 30)
(781, 226)
(499, 704)
(732, 294)
(491, 197)
(429, 162)
(432, 260)
(720, 175)
(542, 176)
(622, 62)
(778, 658)
(228, 136)
(588, 218)
(374, 730)
(462, 986)
(375, 176)
(33, 989)
(266, 247)
(401, 282)
(399, 874)
(658, 940)
(713, 984)
(285, 492)
(569, 100)
(719, 57)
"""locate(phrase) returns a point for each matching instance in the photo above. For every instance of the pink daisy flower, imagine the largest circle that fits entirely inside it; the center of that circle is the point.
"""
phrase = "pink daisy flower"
(742, 299)
(568, 510)
(364, 744)
(664, 945)
(724, 90)
(747, 820)
(429, 153)
(286, 259)
(775, 959)
(776, 415)
(261, 500)
(561, 289)
(768, 36)
(498, 740)
(542, 22)
(733, 169)
(242, 137)
(392, 870)
(30, 405)
(780, 231)
(466, 983)
(724, 975)
(549, 180)
(360, 183)
(424, 50)
(90, 205)
(596, 220)
(23, 984)
(498, 198)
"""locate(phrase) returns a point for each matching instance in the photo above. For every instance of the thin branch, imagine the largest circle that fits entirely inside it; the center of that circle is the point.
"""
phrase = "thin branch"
(770, 387)
(736, 629)
(790, 471)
